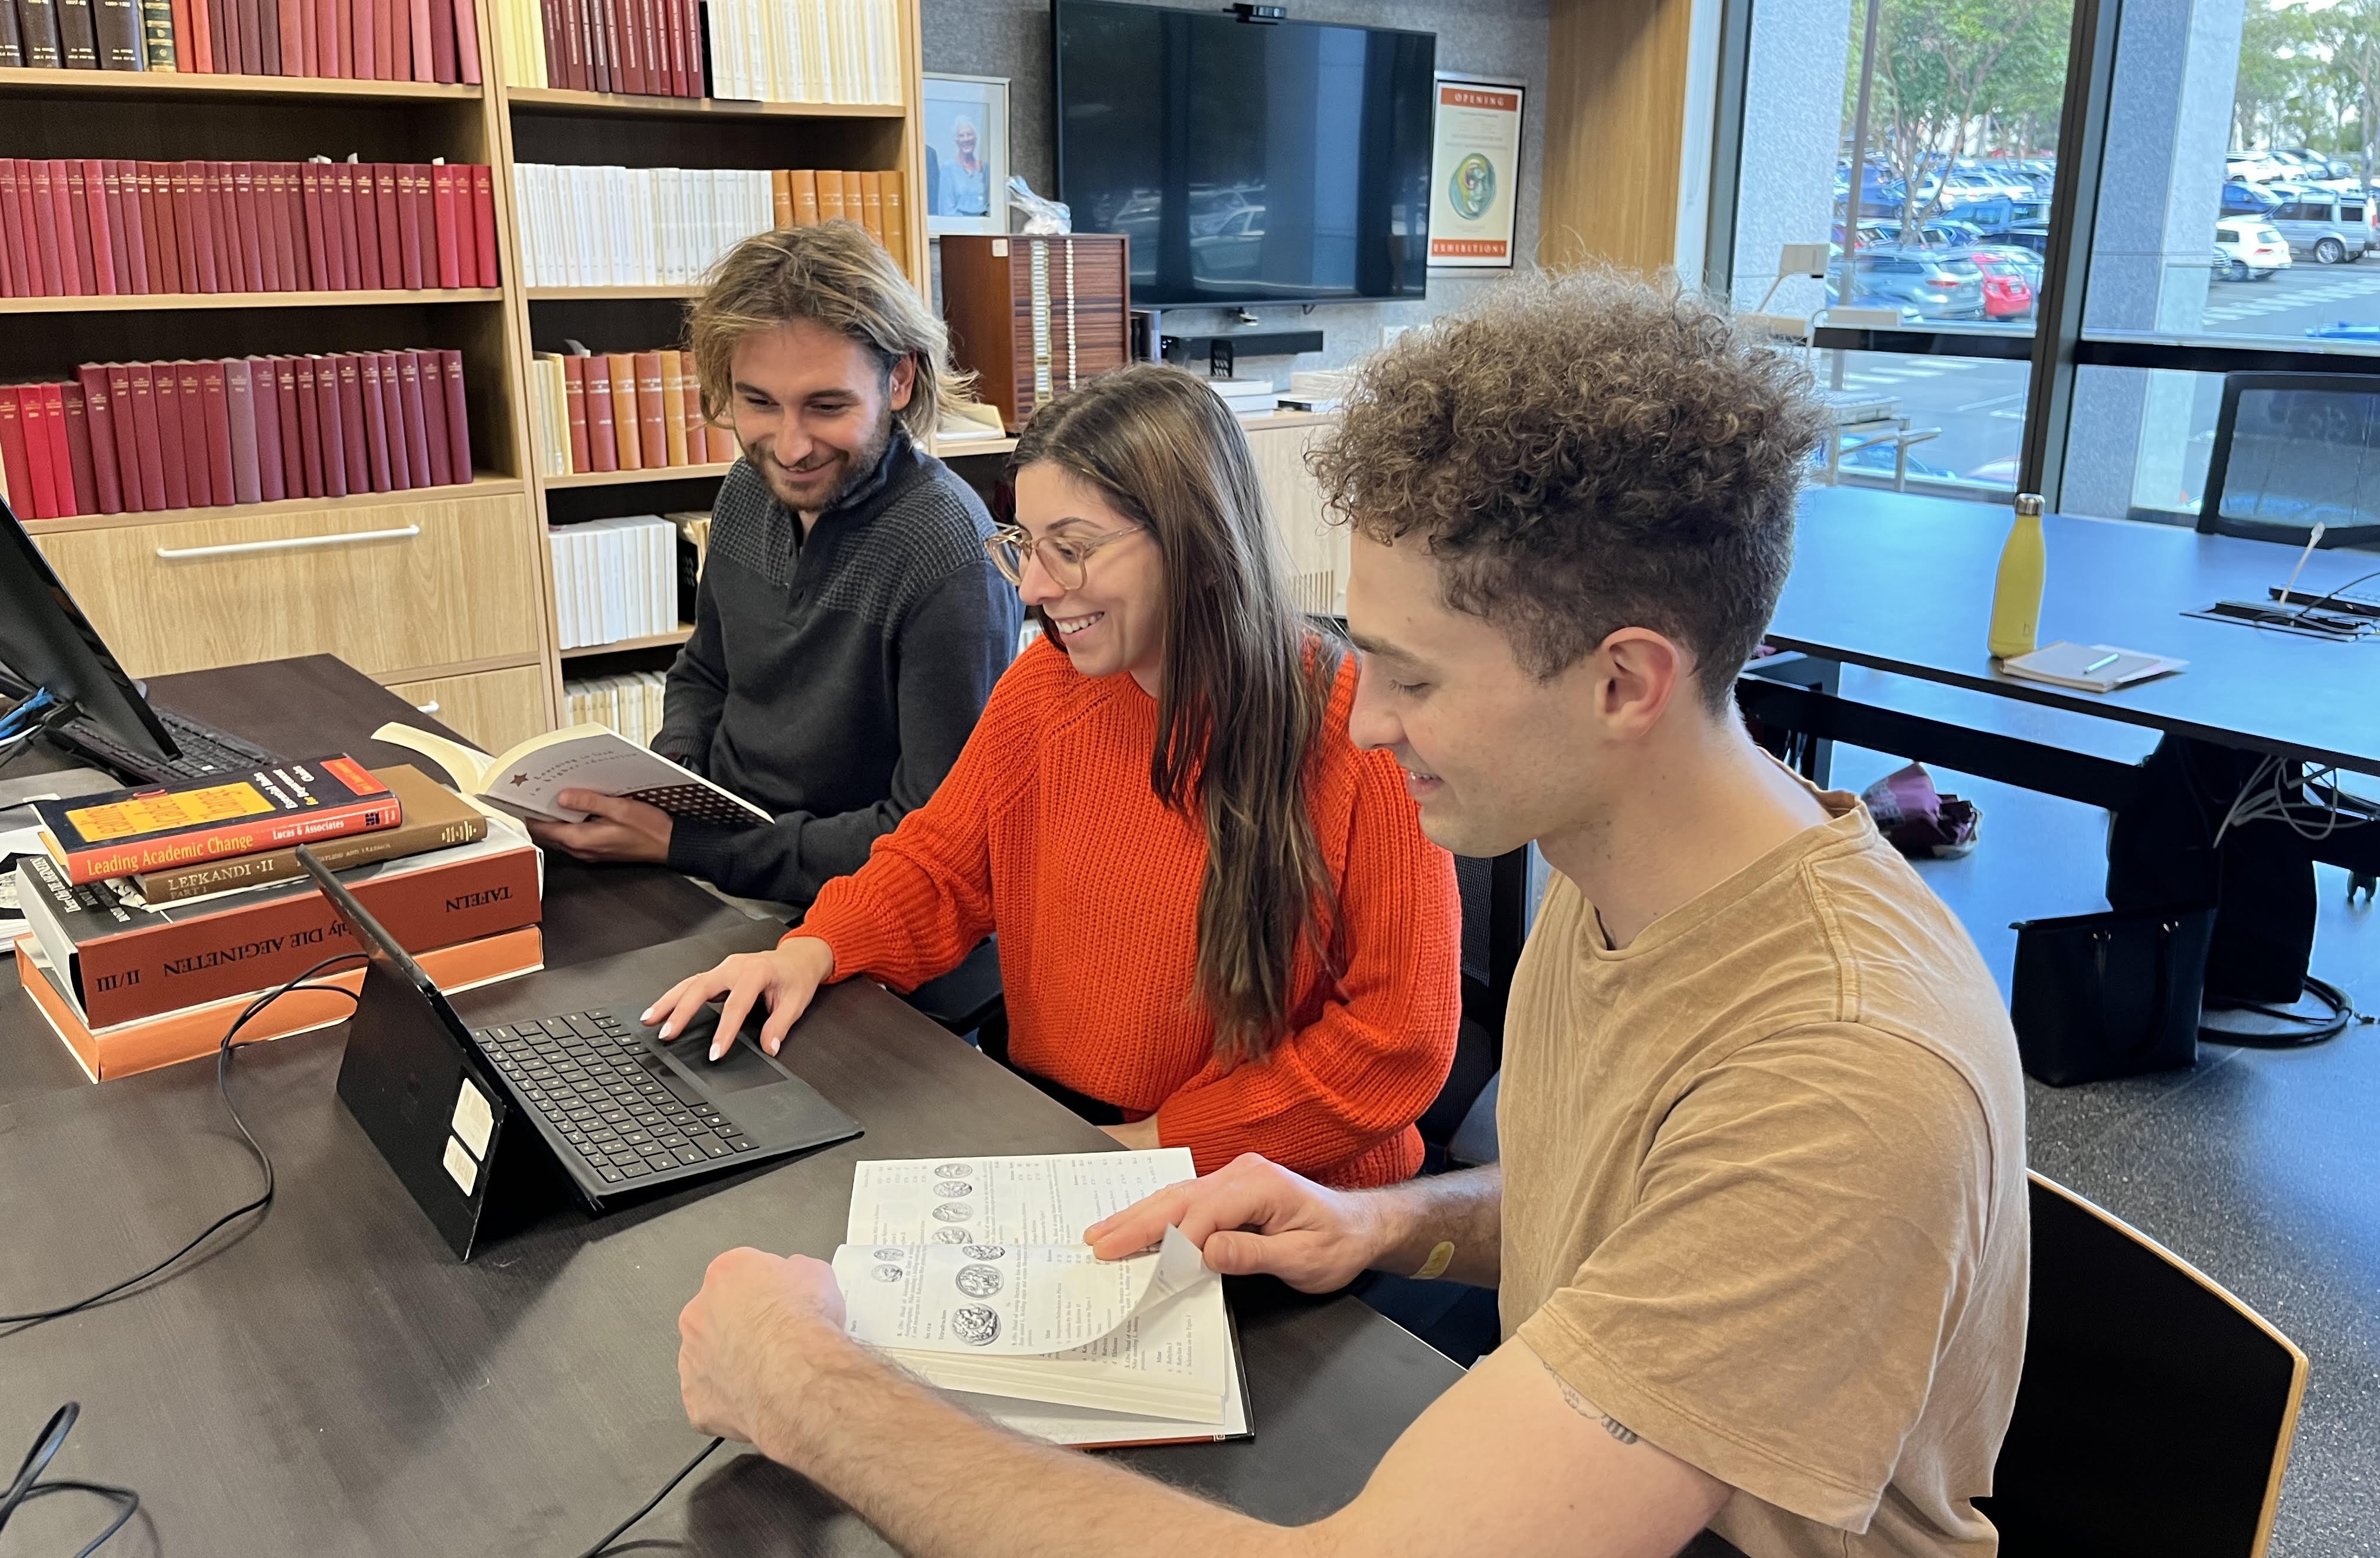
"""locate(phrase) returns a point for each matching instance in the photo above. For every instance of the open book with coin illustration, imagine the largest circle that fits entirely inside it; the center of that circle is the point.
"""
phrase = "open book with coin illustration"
(971, 1274)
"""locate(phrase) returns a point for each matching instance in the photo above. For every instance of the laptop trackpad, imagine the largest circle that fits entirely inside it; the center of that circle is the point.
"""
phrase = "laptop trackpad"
(742, 1066)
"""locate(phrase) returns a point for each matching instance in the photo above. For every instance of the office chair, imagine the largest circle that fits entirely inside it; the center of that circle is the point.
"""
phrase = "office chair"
(1495, 897)
(2292, 450)
(2154, 1416)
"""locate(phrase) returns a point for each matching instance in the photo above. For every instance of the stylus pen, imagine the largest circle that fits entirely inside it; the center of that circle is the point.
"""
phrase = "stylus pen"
(2102, 663)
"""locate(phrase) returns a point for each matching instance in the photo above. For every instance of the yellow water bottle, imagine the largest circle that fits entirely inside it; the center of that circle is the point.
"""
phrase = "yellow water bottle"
(2016, 598)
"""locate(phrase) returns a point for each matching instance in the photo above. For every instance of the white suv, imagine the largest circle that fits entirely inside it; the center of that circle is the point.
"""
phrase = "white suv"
(2251, 250)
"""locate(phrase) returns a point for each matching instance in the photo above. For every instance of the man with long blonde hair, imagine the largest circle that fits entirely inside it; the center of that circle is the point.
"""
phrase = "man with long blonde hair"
(848, 626)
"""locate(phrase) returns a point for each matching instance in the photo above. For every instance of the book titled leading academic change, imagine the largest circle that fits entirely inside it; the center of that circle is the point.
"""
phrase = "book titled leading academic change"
(118, 833)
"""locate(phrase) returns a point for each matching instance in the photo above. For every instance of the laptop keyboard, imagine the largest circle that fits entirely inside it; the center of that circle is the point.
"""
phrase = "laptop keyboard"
(603, 1089)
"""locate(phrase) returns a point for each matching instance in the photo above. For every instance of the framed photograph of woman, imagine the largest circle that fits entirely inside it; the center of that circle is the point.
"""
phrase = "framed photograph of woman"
(967, 155)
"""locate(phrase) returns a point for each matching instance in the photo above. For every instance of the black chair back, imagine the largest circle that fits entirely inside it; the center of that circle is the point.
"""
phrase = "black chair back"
(2153, 1417)
(2292, 450)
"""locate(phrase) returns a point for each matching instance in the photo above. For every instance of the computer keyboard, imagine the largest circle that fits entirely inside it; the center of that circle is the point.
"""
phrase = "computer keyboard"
(608, 1096)
(206, 750)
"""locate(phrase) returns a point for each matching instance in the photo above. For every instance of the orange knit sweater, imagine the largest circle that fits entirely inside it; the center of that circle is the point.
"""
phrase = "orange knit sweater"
(1047, 832)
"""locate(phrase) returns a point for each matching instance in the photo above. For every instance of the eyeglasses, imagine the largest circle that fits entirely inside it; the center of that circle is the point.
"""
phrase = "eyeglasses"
(1063, 558)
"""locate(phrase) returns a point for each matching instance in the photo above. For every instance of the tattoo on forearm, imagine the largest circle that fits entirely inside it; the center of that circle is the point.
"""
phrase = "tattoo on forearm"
(1587, 1409)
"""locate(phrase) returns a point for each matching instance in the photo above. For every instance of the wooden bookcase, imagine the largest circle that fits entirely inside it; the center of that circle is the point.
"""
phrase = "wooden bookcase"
(443, 594)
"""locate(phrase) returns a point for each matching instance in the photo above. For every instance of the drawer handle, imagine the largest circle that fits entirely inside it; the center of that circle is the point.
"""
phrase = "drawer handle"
(428, 708)
(288, 543)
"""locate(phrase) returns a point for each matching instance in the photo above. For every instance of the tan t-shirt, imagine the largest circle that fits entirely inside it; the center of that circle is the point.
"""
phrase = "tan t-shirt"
(1764, 1195)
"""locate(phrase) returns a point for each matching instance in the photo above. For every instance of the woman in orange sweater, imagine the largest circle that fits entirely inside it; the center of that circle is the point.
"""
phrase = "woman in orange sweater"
(1215, 915)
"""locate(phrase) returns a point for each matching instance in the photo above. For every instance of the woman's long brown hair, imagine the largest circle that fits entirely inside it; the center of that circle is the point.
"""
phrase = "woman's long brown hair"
(1246, 681)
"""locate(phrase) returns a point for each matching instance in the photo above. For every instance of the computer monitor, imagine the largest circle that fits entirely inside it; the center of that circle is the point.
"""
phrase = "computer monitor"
(49, 644)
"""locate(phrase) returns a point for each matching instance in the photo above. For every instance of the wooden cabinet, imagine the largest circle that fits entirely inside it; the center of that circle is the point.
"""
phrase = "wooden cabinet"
(393, 589)
(493, 709)
(1317, 549)
(1035, 317)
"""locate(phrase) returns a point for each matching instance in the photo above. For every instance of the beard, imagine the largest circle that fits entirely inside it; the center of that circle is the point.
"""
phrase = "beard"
(851, 468)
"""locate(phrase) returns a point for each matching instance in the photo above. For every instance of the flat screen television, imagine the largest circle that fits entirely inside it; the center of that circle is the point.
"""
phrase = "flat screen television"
(1247, 162)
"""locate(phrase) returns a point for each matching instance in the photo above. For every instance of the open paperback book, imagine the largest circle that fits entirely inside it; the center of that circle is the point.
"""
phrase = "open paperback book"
(525, 780)
(971, 1274)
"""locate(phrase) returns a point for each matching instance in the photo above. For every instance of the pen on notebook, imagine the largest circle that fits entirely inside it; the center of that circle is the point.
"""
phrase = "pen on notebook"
(2102, 663)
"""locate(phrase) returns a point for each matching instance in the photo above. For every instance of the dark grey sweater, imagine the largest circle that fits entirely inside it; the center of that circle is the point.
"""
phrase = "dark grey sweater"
(832, 681)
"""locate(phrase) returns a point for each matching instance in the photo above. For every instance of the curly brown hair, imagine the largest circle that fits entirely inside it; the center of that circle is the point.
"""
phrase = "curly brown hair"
(1583, 452)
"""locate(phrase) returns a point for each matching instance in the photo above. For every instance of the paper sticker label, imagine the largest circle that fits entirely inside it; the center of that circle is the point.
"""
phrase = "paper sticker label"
(473, 1119)
(461, 1165)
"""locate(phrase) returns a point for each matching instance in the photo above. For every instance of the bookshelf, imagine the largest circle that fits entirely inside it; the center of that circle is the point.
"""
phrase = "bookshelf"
(443, 594)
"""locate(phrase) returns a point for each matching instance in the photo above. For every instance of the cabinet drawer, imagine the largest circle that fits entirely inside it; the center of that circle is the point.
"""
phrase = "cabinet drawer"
(491, 709)
(385, 587)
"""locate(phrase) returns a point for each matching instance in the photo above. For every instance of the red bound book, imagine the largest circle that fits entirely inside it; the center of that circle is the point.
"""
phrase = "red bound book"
(562, 16)
(406, 368)
(602, 436)
(393, 49)
(625, 25)
(444, 63)
(185, 57)
(168, 436)
(172, 240)
(466, 41)
(330, 425)
(458, 415)
(392, 400)
(239, 417)
(194, 246)
(255, 261)
(33, 415)
(433, 417)
(605, 44)
(200, 38)
(23, 280)
(386, 218)
(307, 418)
(652, 432)
(367, 202)
(54, 427)
(189, 399)
(286, 427)
(147, 447)
(375, 419)
(268, 31)
(288, 223)
(330, 46)
(221, 34)
(449, 214)
(483, 219)
(75, 416)
(264, 403)
(557, 49)
(339, 199)
(39, 215)
(424, 66)
(72, 206)
(89, 179)
(290, 32)
(352, 436)
(324, 276)
(367, 39)
(410, 212)
(251, 19)
(223, 210)
(106, 458)
(573, 392)
(133, 442)
(15, 458)
(214, 403)
(134, 224)
(141, 195)
(107, 215)
(308, 57)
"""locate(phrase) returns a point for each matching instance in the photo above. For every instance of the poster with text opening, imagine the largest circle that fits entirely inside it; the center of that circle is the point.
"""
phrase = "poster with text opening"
(1475, 175)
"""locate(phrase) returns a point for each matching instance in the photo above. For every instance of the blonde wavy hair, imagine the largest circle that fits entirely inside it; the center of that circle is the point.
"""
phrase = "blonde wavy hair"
(834, 274)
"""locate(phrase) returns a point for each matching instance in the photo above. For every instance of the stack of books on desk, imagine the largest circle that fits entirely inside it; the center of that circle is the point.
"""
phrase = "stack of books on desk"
(155, 917)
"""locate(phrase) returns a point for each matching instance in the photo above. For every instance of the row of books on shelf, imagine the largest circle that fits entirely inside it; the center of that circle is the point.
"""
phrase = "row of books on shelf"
(769, 51)
(151, 437)
(630, 702)
(665, 226)
(359, 39)
(152, 917)
(620, 411)
(105, 228)
(613, 580)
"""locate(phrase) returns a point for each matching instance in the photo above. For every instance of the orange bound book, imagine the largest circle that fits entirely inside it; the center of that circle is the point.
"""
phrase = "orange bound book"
(871, 206)
(629, 438)
(896, 220)
(123, 832)
(674, 408)
(653, 436)
(698, 431)
(806, 195)
(830, 195)
(147, 1043)
(781, 195)
(854, 199)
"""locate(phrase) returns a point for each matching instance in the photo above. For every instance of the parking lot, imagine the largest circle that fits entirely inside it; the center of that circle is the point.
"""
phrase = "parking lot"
(1979, 403)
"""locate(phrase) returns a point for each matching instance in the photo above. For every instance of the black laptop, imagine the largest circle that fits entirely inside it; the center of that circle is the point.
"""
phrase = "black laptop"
(485, 1126)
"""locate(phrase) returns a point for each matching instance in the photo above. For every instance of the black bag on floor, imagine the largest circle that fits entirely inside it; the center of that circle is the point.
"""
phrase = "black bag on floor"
(2102, 995)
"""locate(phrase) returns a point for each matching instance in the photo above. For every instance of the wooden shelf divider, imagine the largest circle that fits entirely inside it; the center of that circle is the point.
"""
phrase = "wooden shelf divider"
(559, 100)
(602, 294)
(161, 302)
(21, 79)
(635, 477)
(676, 635)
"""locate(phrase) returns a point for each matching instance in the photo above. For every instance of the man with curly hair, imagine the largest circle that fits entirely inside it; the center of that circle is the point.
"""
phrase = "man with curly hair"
(1759, 1231)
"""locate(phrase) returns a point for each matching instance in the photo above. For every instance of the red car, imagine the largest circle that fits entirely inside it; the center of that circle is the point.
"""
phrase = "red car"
(2008, 291)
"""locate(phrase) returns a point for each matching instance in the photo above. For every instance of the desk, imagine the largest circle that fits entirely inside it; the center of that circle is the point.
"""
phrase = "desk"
(335, 1384)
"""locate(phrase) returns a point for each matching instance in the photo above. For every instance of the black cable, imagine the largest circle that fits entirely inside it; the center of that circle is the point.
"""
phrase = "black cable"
(608, 1538)
(2303, 1028)
(222, 1085)
(2334, 594)
(28, 1485)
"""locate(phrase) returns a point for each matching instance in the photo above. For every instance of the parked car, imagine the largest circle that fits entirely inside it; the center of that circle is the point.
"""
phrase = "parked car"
(2243, 199)
(1936, 287)
(2251, 250)
(2031, 236)
(2009, 286)
(2323, 224)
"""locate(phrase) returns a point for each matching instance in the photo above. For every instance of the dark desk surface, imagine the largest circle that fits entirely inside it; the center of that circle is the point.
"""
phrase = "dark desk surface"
(335, 1382)
(1904, 583)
